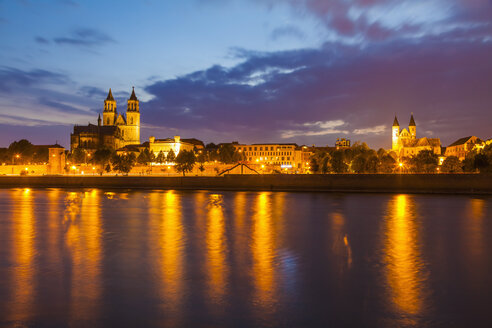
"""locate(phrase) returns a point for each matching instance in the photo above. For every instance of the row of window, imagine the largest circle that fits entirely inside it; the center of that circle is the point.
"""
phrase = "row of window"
(263, 148)
(251, 159)
(268, 153)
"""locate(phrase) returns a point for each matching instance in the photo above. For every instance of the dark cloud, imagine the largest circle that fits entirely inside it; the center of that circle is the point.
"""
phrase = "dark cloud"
(93, 92)
(13, 78)
(41, 40)
(315, 95)
(290, 31)
(85, 37)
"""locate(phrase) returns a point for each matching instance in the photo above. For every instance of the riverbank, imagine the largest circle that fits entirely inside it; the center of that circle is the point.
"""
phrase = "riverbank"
(393, 183)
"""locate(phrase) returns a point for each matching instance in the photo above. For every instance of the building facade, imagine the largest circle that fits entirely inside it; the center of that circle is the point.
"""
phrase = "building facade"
(285, 156)
(113, 131)
(406, 144)
(462, 147)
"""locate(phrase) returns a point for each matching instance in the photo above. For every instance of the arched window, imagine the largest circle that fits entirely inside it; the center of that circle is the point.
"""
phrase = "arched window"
(131, 120)
(107, 121)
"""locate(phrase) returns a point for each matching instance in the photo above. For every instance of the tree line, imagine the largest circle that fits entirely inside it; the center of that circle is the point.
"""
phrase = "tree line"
(361, 159)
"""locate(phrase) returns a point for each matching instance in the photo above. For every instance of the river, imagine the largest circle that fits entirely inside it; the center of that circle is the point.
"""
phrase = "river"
(94, 258)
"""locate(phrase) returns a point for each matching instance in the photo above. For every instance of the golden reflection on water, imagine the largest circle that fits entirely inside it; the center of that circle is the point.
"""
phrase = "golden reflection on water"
(83, 239)
(341, 243)
(404, 267)
(216, 249)
(23, 275)
(172, 248)
(263, 249)
(474, 242)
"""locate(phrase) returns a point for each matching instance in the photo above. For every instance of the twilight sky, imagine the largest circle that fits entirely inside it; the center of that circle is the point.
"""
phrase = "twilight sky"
(304, 71)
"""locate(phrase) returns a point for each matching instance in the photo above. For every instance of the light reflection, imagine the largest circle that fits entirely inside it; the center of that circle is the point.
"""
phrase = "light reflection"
(404, 266)
(23, 275)
(474, 242)
(216, 249)
(341, 244)
(83, 239)
(172, 248)
(263, 249)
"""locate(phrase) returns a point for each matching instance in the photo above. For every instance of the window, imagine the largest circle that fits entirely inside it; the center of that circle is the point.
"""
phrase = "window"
(131, 120)
(261, 148)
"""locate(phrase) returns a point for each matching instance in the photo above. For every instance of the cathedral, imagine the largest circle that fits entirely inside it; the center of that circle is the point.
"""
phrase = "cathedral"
(406, 144)
(113, 131)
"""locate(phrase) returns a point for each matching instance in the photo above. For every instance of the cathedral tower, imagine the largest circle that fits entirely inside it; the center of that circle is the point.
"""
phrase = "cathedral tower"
(109, 113)
(395, 134)
(412, 128)
(133, 120)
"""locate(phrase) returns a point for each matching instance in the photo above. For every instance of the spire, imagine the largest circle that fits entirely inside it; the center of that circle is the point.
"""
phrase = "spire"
(133, 97)
(412, 121)
(395, 122)
(110, 95)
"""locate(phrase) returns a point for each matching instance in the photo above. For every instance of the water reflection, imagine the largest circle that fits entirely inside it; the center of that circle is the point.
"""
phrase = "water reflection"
(263, 251)
(83, 239)
(404, 266)
(23, 275)
(172, 252)
(475, 241)
(341, 243)
(216, 250)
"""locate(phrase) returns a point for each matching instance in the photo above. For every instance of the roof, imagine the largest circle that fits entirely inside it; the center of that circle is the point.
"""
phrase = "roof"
(412, 121)
(133, 97)
(395, 122)
(194, 141)
(110, 95)
(421, 142)
(91, 128)
(463, 141)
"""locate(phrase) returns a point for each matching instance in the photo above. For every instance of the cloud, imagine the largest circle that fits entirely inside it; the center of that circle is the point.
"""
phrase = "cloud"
(41, 40)
(85, 37)
(322, 129)
(289, 31)
(11, 78)
(379, 129)
(305, 95)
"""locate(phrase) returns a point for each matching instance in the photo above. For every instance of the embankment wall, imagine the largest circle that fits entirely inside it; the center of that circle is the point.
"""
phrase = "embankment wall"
(409, 183)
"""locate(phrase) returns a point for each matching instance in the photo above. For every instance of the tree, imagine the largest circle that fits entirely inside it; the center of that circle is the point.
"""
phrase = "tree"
(481, 163)
(202, 157)
(372, 164)
(227, 154)
(387, 164)
(124, 163)
(201, 168)
(451, 165)
(161, 158)
(171, 156)
(102, 156)
(338, 162)
(78, 155)
(145, 157)
(22, 151)
(359, 164)
(185, 161)
(40, 155)
(313, 163)
(426, 161)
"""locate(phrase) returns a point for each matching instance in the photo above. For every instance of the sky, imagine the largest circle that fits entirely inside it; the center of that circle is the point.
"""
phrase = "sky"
(252, 71)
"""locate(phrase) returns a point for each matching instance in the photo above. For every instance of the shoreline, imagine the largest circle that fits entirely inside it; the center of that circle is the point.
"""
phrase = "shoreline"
(361, 183)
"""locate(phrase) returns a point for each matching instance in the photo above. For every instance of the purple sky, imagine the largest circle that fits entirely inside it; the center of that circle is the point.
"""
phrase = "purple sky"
(304, 71)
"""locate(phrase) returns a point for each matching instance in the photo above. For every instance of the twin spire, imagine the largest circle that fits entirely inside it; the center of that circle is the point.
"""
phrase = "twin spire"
(412, 121)
(132, 97)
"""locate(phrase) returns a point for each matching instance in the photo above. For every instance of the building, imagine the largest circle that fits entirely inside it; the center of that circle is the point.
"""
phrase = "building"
(461, 147)
(156, 146)
(342, 143)
(406, 144)
(285, 156)
(113, 131)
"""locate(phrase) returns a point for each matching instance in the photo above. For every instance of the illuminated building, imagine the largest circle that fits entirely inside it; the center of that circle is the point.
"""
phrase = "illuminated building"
(175, 144)
(287, 156)
(406, 144)
(461, 147)
(113, 131)
(342, 143)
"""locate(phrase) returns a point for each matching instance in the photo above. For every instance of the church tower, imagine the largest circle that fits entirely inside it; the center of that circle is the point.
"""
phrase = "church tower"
(412, 128)
(133, 120)
(109, 113)
(395, 134)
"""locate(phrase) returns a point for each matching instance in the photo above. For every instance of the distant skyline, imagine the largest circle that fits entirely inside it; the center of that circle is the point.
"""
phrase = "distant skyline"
(303, 71)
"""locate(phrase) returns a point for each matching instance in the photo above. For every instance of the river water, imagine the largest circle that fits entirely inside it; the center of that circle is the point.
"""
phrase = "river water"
(91, 257)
